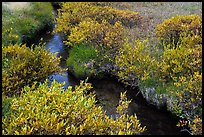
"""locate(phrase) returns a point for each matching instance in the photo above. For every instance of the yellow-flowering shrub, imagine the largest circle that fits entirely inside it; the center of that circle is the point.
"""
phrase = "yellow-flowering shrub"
(188, 93)
(53, 110)
(182, 60)
(135, 62)
(24, 65)
(172, 28)
(196, 126)
(100, 34)
(72, 13)
(101, 3)
(182, 65)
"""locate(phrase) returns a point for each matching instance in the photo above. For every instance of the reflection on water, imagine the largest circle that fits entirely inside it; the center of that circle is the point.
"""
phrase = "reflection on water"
(55, 45)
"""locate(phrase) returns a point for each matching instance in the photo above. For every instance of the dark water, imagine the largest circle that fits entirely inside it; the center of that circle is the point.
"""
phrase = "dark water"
(157, 122)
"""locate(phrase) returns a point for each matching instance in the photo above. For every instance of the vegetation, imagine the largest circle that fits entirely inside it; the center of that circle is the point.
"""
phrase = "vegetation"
(101, 34)
(53, 110)
(22, 24)
(72, 13)
(172, 28)
(23, 65)
(135, 62)
(95, 32)
(178, 56)
(81, 61)
(96, 24)
(176, 72)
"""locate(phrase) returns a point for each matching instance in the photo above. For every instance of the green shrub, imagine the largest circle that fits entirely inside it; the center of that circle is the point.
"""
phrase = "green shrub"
(6, 104)
(23, 66)
(22, 25)
(82, 59)
(188, 104)
(53, 110)
(172, 28)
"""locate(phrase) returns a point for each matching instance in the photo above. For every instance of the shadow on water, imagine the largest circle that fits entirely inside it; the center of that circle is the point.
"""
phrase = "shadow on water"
(157, 122)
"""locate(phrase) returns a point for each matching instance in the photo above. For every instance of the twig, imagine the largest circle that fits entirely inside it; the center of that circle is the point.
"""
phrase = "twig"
(182, 130)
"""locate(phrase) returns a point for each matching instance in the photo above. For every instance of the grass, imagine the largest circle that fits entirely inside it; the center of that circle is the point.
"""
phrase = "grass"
(6, 104)
(81, 59)
(21, 23)
(154, 13)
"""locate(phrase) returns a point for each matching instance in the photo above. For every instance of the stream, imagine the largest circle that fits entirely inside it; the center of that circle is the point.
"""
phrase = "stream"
(157, 121)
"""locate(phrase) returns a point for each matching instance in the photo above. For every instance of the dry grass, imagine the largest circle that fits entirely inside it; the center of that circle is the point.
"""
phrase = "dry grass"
(16, 5)
(154, 13)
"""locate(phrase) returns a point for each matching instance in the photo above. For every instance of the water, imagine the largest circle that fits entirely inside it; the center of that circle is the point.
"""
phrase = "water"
(158, 122)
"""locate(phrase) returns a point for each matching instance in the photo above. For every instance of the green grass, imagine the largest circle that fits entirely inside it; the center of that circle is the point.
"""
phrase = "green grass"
(80, 58)
(6, 104)
(21, 25)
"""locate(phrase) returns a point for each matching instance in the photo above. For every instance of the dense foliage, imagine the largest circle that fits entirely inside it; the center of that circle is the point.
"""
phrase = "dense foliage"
(185, 71)
(22, 66)
(101, 34)
(168, 73)
(95, 24)
(72, 13)
(172, 28)
(183, 60)
(175, 74)
(53, 110)
(135, 62)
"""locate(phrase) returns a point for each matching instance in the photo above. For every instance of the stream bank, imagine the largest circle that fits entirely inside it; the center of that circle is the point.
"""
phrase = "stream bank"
(157, 121)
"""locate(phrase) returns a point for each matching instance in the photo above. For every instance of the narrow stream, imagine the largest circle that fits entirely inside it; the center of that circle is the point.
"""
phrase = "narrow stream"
(158, 122)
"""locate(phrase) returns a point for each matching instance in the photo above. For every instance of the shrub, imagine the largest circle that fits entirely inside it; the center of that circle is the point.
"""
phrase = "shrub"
(177, 73)
(188, 93)
(135, 62)
(172, 28)
(22, 25)
(24, 66)
(196, 126)
(72, 13)
(6, 104)
(105, 38)
(183, 60)
(53, 110)
(100, 34)
(82, 59)
(182, 65)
